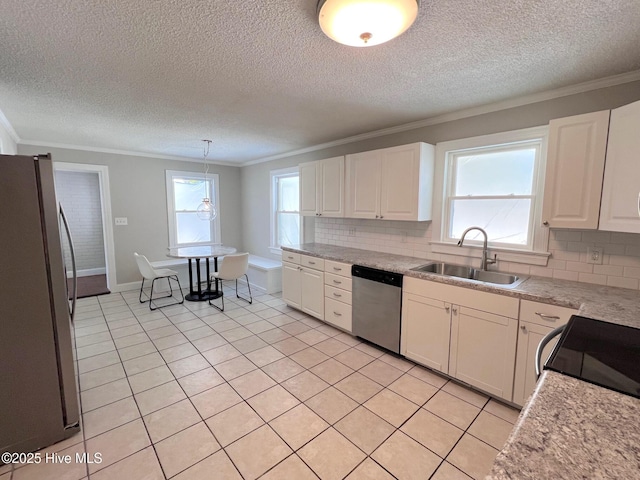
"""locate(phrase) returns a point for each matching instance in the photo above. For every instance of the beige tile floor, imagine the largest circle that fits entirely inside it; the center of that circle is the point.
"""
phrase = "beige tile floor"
(261, 391)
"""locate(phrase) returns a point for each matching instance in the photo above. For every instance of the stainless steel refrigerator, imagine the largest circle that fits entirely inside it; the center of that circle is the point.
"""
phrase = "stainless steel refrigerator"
(38, 395)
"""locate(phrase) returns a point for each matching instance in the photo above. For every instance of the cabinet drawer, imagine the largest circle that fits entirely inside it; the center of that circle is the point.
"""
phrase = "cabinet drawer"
(544, 314)
(337, 268)
(337, 313)
(337, 294)
(312, 262)
(337, 281)
(290, 257)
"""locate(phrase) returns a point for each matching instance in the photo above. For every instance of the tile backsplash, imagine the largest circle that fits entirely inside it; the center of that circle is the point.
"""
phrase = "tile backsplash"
(568, 261)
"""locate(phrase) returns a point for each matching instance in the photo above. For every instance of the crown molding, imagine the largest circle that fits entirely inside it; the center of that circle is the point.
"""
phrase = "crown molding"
(6, 124)
(114, 151)
(466, 113)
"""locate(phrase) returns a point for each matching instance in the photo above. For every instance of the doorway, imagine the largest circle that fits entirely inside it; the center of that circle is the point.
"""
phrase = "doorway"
(83, 192)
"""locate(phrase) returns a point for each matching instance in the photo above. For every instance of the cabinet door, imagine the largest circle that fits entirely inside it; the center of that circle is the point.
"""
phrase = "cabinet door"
(312, 292)
(400, 173)
(620, 210)
(483, 350)
(529, 336)
(291, 284)
(309, 178)
(332, 187)
(575, 165)
(363, 185)
(426, 328)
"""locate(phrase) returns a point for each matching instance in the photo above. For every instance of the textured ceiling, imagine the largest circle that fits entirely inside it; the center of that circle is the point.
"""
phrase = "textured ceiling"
(260, 78)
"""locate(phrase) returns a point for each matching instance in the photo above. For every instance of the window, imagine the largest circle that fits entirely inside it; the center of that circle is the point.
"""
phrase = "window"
(494, 182)
(285, 209)
(185, 191)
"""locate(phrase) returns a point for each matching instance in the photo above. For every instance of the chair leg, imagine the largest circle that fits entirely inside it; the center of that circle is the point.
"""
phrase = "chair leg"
(175, 277)
(150, 296)
(141, 291)
(250, 299)
(221, 296)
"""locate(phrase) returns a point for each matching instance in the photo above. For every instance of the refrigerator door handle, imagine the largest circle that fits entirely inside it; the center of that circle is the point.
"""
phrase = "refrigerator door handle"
(72, 309)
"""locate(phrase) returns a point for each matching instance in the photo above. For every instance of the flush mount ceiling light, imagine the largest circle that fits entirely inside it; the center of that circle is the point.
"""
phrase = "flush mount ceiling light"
(364, 23)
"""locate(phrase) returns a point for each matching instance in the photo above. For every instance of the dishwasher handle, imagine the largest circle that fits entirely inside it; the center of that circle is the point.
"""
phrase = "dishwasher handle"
(543, 343)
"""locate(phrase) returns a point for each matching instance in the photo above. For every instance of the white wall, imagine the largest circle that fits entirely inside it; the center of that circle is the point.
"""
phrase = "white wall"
(8, 145)
(79, 195)
(138, 192)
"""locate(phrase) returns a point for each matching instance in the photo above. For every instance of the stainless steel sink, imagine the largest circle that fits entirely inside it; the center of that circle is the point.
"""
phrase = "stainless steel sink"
(469, 273)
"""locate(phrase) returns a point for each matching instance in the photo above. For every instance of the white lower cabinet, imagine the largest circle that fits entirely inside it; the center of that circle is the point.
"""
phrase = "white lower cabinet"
(426, 330)
(303, 284)
(536, 320)
(312, 292)
(467, 334)
(483, 350)
(337, 290)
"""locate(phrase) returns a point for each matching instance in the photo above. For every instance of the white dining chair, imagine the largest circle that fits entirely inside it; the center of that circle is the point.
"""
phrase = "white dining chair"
(149, 273)
(232, 267)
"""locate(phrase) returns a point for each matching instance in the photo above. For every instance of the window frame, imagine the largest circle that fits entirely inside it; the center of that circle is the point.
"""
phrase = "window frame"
(274, 175)
(214, 180)
(536, 250)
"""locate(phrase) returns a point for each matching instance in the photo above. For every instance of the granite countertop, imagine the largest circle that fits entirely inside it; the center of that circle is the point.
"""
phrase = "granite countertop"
(572, 429)
(611, 304)
(568, 429)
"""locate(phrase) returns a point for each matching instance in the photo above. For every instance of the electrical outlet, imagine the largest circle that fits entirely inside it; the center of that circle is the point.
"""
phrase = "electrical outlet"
(352, 231)
(122, 221)
(594, 255)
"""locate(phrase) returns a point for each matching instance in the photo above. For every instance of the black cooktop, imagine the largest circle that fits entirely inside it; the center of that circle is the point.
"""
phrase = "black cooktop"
(602, 353)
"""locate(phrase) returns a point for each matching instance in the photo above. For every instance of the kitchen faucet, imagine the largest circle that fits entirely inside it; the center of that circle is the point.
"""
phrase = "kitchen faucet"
(485, 251)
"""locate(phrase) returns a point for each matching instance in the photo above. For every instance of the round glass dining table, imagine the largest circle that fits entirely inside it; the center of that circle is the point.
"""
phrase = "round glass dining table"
(196, 254)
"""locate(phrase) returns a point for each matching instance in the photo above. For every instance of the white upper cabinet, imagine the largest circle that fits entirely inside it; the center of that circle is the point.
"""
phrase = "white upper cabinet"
(620, 210)
(392, 183)
(322, 187)
(363, 184)
(309, 204)
(575, 165)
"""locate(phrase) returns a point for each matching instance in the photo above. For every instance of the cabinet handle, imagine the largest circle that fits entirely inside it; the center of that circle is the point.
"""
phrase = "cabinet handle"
(523, 328)
(544, 316)
(381, 216)
(545, 223)
(337, 282)
(336, 294)
(446, 309)
(455, 310)
(377, 216)
(337, 269)
(311, 263)
(289, 257)
(337, 314)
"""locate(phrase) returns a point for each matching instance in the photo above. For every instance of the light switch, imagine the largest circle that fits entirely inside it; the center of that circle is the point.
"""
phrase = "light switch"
(122, 221)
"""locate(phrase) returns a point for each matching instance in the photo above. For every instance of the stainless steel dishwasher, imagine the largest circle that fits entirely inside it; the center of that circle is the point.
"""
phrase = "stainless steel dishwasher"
(376, 303)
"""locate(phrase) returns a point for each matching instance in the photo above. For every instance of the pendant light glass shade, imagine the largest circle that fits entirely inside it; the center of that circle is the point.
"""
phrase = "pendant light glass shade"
(207, 210)
(364, 23)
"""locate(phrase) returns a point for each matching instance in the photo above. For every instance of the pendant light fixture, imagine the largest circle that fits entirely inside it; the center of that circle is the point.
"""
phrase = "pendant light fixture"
(206, 210)
(364, 23)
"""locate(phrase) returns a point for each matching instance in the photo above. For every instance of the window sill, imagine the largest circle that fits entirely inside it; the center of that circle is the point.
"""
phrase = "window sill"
(504, 254)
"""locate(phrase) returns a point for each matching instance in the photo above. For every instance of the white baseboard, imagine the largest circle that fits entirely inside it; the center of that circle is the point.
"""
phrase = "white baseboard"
(89, 272)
